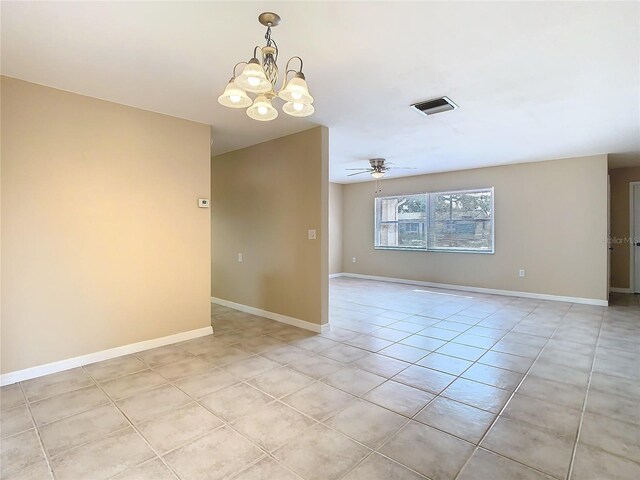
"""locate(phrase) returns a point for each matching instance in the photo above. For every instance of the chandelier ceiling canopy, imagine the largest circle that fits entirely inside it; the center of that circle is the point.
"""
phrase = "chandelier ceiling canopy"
(260, 77)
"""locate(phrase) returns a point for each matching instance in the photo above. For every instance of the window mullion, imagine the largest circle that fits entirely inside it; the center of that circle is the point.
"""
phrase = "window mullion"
(427, 220)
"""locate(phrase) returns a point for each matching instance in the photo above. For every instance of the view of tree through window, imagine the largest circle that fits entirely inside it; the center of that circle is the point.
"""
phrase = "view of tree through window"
(401, 221)
(446, 221)
(461, 221)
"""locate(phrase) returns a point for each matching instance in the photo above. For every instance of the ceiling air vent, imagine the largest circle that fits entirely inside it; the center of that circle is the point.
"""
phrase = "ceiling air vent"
(436, 105)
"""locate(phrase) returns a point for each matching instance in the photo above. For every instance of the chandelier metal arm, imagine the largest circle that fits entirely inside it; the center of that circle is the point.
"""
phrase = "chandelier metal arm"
(286, 68)
(236, 66)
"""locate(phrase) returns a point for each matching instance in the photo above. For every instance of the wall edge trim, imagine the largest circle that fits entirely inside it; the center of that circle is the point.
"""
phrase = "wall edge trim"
(494, 291)
(296, 322)
(73, 362)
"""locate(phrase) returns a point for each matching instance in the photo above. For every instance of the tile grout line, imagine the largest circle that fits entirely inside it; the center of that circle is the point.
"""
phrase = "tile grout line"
(541, 351)
(498, 416)
(477, 361)
(229, 424)
(74, 389)
(318, 422)
(376, 452)
(66, 417)
(224, 422)
(258, 460)
(422, 312)
(376, 449)
(37, 432)
(435, 396)
(460, 375)
(372, 451)
(584, 403)
(473, 362)
(412, 418)
(38, 427)
(133, 426)
(318, 380)
(452, 340)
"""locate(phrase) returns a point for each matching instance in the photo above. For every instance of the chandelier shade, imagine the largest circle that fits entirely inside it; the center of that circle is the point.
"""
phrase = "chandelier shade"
(296, 109)
(262, 110)
(260, 77)
(253, 79)
(296, 90)
(234, 96)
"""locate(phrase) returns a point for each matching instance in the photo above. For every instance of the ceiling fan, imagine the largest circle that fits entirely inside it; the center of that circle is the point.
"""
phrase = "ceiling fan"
(378, 168)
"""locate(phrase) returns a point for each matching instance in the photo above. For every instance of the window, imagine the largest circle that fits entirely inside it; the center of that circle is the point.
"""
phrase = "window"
(401, 222)
(460, 221)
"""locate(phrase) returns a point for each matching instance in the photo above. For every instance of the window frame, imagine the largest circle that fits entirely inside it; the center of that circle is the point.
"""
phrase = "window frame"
(375, 222)
(428, 247)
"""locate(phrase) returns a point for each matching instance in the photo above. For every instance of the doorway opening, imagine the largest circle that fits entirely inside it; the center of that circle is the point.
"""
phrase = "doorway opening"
(634, 232)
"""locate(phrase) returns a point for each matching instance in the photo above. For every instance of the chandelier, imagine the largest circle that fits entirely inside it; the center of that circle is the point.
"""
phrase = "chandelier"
(260, 77)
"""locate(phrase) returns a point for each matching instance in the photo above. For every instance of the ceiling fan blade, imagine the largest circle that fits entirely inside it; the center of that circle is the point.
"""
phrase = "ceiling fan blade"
(363, 169)
(402, 168)
(359, 173)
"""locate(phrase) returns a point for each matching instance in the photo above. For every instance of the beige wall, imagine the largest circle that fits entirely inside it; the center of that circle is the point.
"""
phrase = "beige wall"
(264, 198)
(620, 232)
(335, 228)
(550, 219)
(102, 240)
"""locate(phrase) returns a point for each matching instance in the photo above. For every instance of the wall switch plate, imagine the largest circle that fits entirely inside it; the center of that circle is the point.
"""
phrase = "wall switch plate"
(312, 234)
(521, 272)
(203, 202)
(240, 257)
(353, 260)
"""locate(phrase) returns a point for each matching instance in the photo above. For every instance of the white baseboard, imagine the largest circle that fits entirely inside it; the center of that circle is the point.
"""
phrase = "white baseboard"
(491, 291)
(335, 275)
(59, 366)
(296, 322)
(620, 290)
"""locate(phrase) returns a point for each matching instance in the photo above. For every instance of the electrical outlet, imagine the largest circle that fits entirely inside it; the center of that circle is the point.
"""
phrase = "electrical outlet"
(203, 202)
(240, 257)
(353, 260)
(311, 234)
(521, 272)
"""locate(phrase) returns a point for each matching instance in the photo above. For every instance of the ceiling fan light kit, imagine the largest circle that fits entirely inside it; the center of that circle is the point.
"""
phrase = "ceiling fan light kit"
(260, 77)
(378, 168)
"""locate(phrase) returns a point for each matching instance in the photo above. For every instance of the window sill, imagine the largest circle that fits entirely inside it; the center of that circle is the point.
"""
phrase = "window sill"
(436, 250)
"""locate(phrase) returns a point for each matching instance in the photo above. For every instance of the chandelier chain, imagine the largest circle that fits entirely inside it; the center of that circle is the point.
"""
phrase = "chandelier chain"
(267, 36)
(269, 61)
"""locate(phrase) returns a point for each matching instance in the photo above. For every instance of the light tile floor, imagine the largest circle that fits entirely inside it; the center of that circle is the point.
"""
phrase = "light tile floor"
(410, 383)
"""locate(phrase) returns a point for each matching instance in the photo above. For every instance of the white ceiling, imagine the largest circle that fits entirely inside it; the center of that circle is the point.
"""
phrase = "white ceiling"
(534, 81)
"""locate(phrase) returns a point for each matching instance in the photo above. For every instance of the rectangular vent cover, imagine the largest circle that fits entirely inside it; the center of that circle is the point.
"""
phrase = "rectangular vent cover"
(437, 105)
